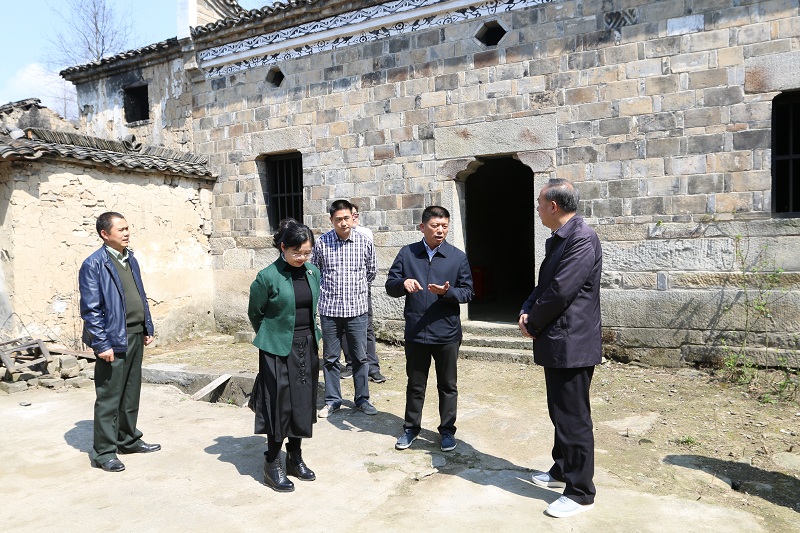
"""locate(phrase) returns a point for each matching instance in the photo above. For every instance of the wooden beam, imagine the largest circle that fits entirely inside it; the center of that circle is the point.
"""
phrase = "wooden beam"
(211, 386)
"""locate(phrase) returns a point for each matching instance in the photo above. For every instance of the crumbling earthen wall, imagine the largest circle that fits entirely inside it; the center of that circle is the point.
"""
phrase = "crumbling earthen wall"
(48, 212)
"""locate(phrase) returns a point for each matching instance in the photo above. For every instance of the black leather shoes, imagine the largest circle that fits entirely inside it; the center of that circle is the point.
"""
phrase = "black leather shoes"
(295, 466)
(142, 447)
(112, 465)
(275, 478)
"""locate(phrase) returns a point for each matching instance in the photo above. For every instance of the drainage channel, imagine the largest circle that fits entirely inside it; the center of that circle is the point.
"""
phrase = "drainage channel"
(234, 391)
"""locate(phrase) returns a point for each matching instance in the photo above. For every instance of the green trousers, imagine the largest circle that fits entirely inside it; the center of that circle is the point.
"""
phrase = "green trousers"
(116, 409)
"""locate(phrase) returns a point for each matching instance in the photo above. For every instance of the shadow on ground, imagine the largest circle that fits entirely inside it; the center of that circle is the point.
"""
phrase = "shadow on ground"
(773, 487)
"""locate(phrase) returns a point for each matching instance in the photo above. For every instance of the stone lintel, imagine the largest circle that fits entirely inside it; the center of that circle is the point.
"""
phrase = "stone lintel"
(526, 134)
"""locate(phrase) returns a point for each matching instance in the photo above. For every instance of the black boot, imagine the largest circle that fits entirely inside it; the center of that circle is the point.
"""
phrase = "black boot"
(297, 468)
(275, 478)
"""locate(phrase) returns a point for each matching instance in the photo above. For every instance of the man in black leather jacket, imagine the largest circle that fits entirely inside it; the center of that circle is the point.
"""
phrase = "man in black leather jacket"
(116, 325)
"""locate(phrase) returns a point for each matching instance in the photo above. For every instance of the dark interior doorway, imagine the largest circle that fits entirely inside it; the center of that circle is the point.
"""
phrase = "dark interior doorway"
(500, 212)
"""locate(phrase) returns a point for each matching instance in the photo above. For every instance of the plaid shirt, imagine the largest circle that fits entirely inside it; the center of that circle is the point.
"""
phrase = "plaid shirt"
(347, 268)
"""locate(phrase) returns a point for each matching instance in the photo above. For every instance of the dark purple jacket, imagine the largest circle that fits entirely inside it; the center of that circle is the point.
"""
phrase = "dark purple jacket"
(564, 308)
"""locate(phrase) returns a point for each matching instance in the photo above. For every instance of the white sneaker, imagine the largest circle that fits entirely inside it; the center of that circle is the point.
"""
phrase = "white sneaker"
(544, 479)
(367, 408)
(564, 507)
(328, 410)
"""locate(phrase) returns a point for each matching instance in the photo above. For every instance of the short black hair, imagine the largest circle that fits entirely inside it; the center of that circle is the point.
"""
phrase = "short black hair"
(292, 234)
(563, 193)
(106, 221)
(435, 211)
(338, 205)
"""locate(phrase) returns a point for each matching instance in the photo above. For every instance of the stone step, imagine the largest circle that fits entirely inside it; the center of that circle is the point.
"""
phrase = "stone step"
(490, 329)
(506, 342)
(486, 353)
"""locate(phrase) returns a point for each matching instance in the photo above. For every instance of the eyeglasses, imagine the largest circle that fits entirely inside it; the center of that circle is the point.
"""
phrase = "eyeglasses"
(355, 215)
(302, 255)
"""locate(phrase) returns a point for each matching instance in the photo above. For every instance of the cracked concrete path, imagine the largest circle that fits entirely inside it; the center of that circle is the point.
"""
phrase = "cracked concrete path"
(208, 475)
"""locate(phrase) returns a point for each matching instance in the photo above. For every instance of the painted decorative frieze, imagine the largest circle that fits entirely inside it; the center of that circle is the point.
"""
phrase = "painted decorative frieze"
(355, 27)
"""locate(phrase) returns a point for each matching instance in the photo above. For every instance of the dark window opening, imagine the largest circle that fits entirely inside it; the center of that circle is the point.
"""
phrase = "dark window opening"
(786, 154)
(491, 33)
(275, 77)
(136, 104)
(282, 180)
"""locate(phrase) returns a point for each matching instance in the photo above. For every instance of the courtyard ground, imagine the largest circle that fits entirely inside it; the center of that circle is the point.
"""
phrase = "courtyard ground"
(676, 450)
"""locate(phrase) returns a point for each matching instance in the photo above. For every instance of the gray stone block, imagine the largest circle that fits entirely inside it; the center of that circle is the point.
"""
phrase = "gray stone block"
(51, 383)
(79, 382)
(11, 388)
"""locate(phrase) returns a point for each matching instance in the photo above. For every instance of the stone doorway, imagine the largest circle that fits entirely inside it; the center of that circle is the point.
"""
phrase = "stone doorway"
(500, 210)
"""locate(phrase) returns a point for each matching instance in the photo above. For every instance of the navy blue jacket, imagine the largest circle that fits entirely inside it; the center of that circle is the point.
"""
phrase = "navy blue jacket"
(564, 308)
(103, 303)
(430, 318)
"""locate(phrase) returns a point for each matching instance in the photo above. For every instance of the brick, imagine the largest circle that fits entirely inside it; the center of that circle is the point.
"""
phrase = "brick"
(636, 106)
(661, 85)
(645, 68)
(612, 207)
(623, 151)
(708, 78)
(648, 206)
(581, 154)
(695, 164)
(705, 144)
(701, 116)
(695, 204)
(705, 184)
(678, 101)
(723, 96)
(752, 139)
(615, 126)
(657, 122)
(689, 62)
(668, 186)
(580, 95)
(666, 46)
(624, 188)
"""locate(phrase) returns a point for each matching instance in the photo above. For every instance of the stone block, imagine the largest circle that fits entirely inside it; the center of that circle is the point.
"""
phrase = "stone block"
(79, 382)
(614, 126)
(624, 151)
(684, 25)
(70, 372)
(67, 361)
(12, 387)
(639, 105)
(752, 139)
(701, 117)
(647, 206)
(705, 144)
(720, 96)
(51, 383)
(663, 147)
(689, 62)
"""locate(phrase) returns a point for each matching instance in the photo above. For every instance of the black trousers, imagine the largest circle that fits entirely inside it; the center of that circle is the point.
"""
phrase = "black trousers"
(418, 363)
(118, 385)
(571, 414)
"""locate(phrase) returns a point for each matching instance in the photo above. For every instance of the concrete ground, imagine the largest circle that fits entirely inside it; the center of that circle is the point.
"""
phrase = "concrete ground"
(208, 476)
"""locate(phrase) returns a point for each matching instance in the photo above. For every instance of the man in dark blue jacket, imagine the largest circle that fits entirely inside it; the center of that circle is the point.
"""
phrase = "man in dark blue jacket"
(435, 279)
(562, 315)
(117, 326)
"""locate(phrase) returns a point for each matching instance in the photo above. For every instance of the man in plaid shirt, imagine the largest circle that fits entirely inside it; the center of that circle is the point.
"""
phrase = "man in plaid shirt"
(346, 260)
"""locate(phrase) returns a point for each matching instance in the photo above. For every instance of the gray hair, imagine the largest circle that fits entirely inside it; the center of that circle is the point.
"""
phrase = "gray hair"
(563, 193)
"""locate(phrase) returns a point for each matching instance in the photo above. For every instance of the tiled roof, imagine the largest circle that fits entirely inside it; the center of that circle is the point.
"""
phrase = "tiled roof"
(168, 45)
(252, 15)
(38, 143)
(21, 104)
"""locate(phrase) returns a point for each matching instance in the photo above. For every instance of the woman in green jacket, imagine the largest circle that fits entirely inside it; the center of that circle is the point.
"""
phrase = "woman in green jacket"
(283, 311)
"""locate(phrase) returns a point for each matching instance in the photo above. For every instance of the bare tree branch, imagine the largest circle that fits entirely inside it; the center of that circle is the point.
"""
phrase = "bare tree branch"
(90, 30)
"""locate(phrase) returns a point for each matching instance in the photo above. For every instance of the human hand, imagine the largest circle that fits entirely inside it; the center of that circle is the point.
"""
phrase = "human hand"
(148, 339)
(523, 326)
(441, 290)
(412, 285)
(107, 355)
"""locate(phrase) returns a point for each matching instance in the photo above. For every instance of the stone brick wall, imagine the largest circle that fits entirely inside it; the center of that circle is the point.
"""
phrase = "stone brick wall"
(659, 111)
(49, 211)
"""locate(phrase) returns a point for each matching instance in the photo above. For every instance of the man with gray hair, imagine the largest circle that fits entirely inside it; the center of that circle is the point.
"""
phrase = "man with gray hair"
(562, 315)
